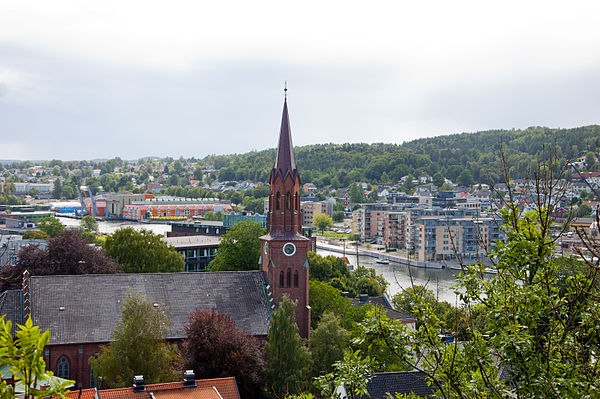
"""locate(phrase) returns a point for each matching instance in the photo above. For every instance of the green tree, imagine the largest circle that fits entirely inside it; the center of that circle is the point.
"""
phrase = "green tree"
(438, 179)
(539, 330)
(584, 210)
(288, 358)
(328, 343)
(324, 298)
(590, 160)
(35, 235)
(465, 178)
(139, 346)
(88, 223)
(25, 361)
(141, 251)
(51, 226)
(239, 248)
(322, 221)
(57, 190)
(353, 373)
(338, 216)
(357, 195)
(198, 173)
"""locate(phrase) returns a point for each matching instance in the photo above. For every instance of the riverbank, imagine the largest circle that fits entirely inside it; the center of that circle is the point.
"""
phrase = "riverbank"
(396, 257)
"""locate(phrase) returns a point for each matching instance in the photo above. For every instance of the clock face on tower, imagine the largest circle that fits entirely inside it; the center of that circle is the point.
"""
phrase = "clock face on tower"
(289, 249)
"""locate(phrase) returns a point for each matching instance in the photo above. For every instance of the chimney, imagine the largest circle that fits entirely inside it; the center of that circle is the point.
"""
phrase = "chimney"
(189, 379)
(138, 383)
(364, 298)
(26, 295)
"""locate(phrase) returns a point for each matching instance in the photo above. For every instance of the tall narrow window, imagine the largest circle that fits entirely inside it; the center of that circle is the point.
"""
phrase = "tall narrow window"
(281, 278)
(296, 279)
(62, 369)
(288, 204)
(278, 201)
(297, 202)
(289, 278)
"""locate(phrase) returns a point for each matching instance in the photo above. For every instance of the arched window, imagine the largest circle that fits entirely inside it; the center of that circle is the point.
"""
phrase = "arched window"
(281, 279)
(277, 201)
(297, 202)
(289, 278)
(62, 369)
(288, 201)
(296, 279)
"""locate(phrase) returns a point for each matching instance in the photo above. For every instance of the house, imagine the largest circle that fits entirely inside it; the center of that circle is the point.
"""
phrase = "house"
(405, 382)
(385, 303)
(81, 311)
(214, 388)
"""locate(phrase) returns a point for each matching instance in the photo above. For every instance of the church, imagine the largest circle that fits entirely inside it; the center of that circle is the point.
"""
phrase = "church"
(81, 311)
(285, 249)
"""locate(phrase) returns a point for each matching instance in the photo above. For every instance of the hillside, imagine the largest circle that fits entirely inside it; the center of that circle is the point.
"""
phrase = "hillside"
(477, 153)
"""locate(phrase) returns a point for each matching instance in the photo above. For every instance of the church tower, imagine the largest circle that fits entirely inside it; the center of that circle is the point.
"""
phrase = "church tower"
(284, 249)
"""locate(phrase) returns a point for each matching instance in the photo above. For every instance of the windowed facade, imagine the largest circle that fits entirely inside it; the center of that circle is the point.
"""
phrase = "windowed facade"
(62, 368)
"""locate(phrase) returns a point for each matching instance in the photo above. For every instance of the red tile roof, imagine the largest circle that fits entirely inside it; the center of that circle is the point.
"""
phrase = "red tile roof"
(89, 393)
(206, 389)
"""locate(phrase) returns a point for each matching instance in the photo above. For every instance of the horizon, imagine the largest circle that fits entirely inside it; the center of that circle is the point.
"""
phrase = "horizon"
(175, 157)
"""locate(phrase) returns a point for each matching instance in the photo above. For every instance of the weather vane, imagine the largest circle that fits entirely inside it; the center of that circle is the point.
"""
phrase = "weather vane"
(285, 89)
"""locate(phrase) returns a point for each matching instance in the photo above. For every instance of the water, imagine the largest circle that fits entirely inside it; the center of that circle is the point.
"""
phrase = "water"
(398, 276)
(440, 281)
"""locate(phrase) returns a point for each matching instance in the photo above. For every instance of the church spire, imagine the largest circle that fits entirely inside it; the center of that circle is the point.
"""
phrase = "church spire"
(285, 162)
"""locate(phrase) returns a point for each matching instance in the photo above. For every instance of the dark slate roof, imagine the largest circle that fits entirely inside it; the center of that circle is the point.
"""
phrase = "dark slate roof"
(92, 302)
(285, 162)
(385, 303)
(11, 305)
(403, 382)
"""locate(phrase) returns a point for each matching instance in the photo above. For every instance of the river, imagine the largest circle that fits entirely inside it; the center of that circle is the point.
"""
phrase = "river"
(440, 281)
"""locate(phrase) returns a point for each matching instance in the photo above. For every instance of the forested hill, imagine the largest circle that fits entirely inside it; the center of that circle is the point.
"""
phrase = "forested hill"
(474, 155)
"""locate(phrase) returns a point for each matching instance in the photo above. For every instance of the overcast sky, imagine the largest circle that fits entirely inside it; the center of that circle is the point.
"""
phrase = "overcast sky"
(85, 80)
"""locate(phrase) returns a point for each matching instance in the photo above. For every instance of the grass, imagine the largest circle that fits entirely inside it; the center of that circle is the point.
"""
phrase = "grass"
(333, 234)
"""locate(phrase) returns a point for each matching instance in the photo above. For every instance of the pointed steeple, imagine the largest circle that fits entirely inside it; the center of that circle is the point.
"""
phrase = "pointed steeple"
(285, 162)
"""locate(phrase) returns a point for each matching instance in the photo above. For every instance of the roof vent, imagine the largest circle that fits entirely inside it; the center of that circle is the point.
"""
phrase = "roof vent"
(189, 379)
(138, 383)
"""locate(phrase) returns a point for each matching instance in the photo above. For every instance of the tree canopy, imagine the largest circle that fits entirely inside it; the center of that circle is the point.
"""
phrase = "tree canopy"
(141, 251)
(215, 348)
(322, 221)
(139, 346)
(288, 359)
(68, 253)
(239, 248)
(51, 226)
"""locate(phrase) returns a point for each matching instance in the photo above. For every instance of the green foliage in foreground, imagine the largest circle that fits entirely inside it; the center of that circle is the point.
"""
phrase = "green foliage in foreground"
(24, 356)
(539, 331)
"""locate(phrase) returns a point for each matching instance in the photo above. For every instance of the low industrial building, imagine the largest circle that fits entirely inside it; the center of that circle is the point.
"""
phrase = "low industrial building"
(197, 250)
